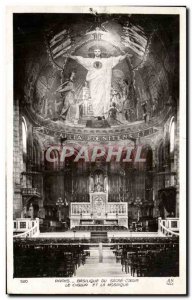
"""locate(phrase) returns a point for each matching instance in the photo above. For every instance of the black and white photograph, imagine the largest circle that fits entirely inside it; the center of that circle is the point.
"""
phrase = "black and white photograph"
(97, 202)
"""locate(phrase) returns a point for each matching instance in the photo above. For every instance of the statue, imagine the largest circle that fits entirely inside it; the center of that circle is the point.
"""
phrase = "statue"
(99, 187)
(68, 92)
(113, 111)
(99, 79)
(115, 95)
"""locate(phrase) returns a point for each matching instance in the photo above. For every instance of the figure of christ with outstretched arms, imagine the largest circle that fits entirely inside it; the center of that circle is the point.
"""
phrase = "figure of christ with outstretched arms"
(99, 79)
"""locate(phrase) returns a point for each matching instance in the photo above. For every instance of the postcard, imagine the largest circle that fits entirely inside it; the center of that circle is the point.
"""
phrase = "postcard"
(96, 150)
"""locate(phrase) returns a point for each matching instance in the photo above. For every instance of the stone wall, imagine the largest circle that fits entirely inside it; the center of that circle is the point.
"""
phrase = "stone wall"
(17, 161)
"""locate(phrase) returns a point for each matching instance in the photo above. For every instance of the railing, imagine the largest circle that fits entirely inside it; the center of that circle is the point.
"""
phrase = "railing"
(30, 192)
(29, 228)
(168, 227)
(78, 208)
(117, 208)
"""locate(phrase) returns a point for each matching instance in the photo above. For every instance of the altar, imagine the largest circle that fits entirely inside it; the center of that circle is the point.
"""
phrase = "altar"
(98, 211)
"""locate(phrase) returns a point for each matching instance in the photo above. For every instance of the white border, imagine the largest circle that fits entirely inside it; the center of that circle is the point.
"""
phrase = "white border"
(146, 285)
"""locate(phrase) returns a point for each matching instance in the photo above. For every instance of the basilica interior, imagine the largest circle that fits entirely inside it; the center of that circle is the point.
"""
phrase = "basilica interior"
(53, 106)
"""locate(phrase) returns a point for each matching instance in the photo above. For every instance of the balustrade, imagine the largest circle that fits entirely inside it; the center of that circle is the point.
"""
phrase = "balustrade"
(169, 226)
(26, 227)
(30, 192)
(80, 208)
(85, 208)
(117, 208)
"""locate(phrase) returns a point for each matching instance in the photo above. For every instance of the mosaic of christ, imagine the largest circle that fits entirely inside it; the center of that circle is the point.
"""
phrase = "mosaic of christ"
(103, 74)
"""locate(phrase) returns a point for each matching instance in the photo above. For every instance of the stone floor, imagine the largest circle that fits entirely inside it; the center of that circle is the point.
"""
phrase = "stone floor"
(101, 264)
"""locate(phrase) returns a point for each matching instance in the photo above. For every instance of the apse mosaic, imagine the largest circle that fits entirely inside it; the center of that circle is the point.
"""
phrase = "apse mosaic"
(99, 72)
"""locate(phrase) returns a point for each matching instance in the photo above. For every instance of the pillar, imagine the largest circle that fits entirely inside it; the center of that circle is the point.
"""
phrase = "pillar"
(17, 162)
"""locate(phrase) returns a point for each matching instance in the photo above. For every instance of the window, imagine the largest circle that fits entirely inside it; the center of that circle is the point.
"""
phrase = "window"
(172, 135)
(22, 225)
(24, 136)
